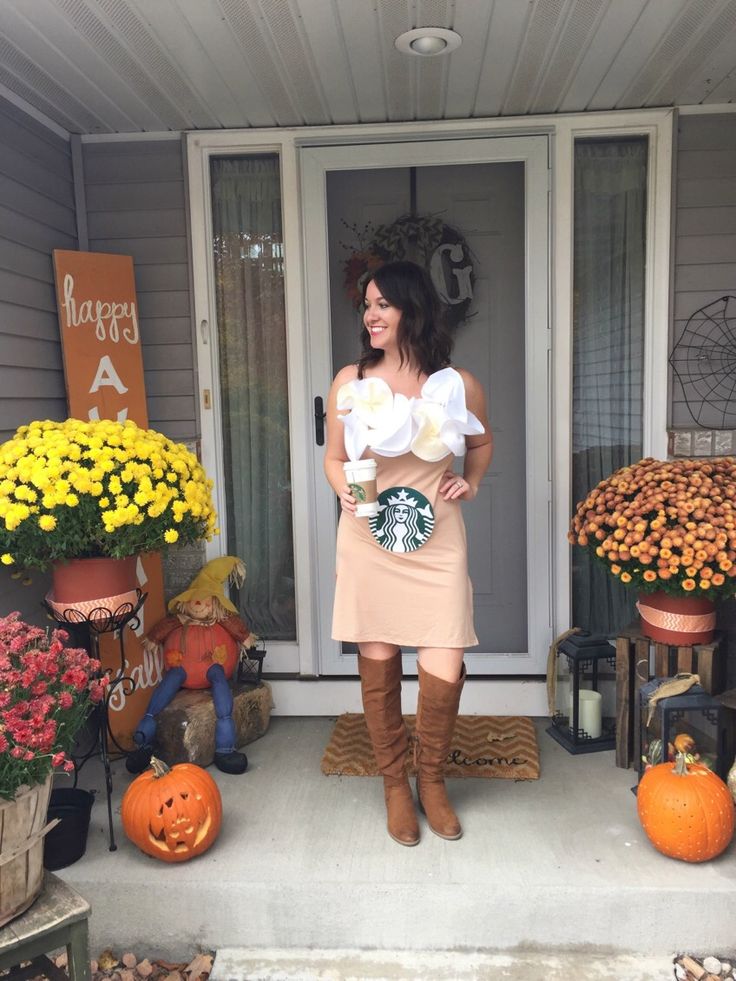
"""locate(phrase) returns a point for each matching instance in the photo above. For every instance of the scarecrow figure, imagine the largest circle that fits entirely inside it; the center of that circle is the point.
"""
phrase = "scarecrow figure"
(200, 641)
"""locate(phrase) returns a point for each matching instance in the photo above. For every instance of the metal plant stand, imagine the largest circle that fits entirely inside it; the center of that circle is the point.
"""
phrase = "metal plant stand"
(88, 628)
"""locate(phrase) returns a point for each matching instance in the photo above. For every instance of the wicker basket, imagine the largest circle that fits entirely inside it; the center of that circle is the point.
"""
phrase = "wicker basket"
(22, 829)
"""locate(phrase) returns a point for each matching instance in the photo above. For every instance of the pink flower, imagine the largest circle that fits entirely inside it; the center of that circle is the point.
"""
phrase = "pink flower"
(97, 689)
(44, 688)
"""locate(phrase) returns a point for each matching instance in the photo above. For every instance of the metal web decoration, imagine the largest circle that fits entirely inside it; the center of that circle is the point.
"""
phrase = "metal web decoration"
(704, 361)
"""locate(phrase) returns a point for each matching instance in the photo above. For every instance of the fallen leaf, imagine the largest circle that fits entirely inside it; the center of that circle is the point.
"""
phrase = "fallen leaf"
(201, 965)
(107, 960)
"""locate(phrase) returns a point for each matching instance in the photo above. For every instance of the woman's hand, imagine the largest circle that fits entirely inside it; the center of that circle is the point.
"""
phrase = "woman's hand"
(453, 487)
(347, 501)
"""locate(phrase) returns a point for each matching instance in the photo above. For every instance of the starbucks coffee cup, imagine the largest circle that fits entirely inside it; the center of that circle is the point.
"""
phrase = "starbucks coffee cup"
(361, 478)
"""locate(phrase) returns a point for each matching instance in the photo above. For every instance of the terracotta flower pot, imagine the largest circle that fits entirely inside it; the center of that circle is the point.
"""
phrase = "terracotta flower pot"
(677, 619)
(87, 584)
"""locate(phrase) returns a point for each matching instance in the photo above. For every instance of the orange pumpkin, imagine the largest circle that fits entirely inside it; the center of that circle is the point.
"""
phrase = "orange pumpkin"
(197, 647)
(685, 810)
(172, 813)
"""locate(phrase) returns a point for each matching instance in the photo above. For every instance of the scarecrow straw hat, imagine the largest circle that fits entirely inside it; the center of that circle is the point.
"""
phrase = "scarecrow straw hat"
(210, 581)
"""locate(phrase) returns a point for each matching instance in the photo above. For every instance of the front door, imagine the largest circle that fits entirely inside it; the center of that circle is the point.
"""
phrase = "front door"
(491, 194)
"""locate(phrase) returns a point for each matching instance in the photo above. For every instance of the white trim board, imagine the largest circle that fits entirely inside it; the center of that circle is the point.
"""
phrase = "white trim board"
(31, 111)
(332, 697)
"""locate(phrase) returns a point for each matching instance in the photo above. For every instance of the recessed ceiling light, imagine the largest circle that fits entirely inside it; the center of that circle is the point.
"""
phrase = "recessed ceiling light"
(426, 42)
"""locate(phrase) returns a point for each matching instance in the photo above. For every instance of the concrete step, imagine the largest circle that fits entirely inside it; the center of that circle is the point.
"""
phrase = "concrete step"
(304, 861)
(240, 964)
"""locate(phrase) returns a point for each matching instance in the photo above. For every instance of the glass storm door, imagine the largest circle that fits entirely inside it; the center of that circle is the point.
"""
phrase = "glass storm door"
(494, 193)
(245, 417)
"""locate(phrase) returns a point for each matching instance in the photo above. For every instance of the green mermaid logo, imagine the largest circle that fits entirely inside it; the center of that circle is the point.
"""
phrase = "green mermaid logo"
(405, 520)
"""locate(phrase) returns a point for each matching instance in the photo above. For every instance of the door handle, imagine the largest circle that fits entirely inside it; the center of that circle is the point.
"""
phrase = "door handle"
(319, 420)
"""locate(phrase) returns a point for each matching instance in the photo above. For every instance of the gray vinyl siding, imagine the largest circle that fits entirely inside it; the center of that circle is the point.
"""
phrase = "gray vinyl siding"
(136, 205)
(36, 216)
(705, 231)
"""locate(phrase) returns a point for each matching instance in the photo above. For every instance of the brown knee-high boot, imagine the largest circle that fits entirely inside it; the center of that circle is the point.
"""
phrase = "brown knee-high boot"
(436, 713)
(380, 683)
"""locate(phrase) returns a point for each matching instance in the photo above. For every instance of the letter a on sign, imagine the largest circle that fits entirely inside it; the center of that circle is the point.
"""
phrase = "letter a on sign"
(106, 375)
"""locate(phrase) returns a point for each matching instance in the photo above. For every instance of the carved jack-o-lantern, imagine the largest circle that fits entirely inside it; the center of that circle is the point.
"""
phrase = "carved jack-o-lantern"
(172, 814)
(196, 648)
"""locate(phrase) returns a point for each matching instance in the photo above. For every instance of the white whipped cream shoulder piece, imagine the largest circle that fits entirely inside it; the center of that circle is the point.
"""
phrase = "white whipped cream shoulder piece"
(442, 418)
(431, 426)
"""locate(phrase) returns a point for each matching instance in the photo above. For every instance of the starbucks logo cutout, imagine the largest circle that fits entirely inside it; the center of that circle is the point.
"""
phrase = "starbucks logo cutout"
(405, 520)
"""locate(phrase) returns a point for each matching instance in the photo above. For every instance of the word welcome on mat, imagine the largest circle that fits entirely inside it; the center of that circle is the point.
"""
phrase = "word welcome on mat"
(482, 746)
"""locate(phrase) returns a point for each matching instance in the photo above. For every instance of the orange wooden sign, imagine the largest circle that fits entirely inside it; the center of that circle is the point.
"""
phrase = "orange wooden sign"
(103, 367)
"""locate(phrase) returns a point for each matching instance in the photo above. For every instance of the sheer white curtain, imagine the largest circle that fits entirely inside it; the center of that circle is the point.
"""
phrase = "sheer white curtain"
(249, 273)
(608, 347)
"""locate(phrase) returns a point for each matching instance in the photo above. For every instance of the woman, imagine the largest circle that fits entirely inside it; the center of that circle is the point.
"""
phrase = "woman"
(403, 405)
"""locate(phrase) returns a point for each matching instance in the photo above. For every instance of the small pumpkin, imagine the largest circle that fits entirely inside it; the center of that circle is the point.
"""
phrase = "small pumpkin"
(172, 814)
(685, 810)
(684, 743)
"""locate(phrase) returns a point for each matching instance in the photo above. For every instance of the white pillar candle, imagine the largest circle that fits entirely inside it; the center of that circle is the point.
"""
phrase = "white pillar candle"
(589, 712)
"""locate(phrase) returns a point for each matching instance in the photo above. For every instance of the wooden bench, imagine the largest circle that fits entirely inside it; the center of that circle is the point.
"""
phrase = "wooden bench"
(58, 918)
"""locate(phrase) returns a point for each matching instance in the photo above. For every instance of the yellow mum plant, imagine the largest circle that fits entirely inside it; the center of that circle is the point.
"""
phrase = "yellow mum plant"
(77, 489)
(667, 526)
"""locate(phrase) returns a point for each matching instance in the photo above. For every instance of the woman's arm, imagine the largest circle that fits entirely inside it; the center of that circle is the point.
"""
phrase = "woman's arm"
(335, 454)
(479, 449)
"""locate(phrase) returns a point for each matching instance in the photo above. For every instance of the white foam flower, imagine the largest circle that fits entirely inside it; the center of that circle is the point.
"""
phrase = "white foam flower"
(446, 387)
(428, 418)
(368, 403)
(356, 436)
(442, 417)
(394, 438)
(370, 399)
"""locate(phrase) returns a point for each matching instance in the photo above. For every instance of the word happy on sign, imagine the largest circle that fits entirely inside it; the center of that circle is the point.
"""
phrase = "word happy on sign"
(105, 315)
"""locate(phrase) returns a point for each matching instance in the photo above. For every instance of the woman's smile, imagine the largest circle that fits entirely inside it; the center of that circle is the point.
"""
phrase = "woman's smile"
(380, 318)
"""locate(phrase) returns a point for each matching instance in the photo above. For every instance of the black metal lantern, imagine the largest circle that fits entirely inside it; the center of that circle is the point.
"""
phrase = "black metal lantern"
(692, 723)
(250, 664)
(584, 719)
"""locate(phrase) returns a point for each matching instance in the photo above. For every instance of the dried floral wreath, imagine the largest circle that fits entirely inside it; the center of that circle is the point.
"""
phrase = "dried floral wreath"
(426, 240)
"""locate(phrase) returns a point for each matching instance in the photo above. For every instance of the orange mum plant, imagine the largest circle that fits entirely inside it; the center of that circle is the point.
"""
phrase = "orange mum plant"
(665, 525)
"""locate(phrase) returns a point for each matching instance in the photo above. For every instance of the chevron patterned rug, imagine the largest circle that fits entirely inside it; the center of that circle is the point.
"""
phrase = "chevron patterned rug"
(482, 746)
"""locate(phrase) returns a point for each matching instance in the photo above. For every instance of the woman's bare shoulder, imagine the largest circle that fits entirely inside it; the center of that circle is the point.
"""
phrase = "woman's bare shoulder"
(347, 374)
(470, 382)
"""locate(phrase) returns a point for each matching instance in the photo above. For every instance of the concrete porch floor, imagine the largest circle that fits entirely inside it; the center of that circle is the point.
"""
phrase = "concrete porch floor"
(303, 861)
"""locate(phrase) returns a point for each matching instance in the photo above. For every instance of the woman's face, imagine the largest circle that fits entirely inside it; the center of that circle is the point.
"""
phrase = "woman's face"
(381, 320)
(401, 511)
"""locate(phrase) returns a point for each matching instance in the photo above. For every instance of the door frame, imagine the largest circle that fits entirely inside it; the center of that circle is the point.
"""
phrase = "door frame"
(533, 152)
(656, 124)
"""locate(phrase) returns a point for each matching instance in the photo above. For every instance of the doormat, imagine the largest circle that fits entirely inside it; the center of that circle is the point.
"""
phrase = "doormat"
(482, 746)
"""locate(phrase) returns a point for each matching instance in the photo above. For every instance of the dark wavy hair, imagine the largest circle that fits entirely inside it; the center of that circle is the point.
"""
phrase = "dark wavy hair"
(423, 334)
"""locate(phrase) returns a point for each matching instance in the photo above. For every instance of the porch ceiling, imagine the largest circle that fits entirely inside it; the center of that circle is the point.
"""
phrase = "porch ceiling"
(107, 66)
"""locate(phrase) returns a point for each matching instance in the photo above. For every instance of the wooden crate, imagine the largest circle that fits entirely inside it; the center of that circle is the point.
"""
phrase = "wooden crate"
(638, 659)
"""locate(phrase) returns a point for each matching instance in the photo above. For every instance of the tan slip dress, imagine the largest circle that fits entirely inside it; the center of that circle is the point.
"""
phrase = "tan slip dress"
(417, 598)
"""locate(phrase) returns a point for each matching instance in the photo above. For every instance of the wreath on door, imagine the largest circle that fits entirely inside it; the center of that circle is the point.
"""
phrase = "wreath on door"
(426, 240)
